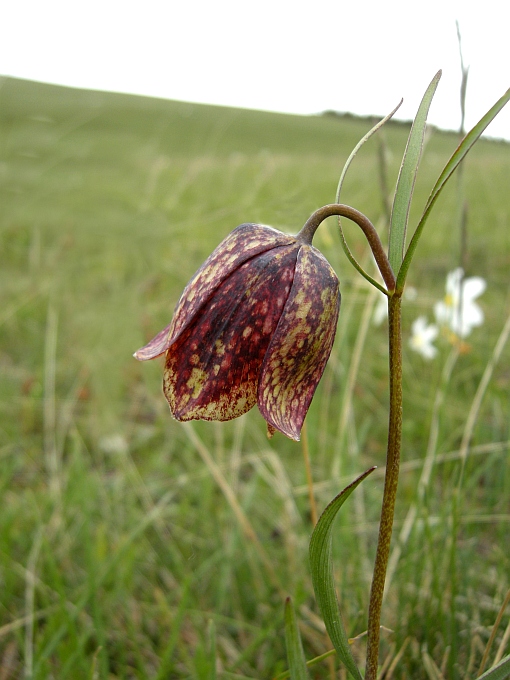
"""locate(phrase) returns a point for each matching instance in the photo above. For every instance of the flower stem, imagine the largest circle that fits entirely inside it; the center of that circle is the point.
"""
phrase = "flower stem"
(310, 227)
(390, 486)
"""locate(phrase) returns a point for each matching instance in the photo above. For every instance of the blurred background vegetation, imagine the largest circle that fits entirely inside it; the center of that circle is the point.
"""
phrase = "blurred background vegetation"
(125, 537)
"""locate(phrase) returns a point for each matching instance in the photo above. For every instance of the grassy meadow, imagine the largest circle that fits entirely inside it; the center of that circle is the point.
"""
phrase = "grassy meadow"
(136, 547)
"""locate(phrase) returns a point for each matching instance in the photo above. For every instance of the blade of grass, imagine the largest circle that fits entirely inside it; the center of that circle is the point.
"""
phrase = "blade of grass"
(322, 576)
(295, 653)
(499, 672)
(502, 644)
(407, 178)
(309, 476)
(211, 644)
(30, 603)
(50, 412)
(309, 664)
(428, 464)
(350, 382)
(479, 395)
(493, 633)
(166, 665)
(226, 489)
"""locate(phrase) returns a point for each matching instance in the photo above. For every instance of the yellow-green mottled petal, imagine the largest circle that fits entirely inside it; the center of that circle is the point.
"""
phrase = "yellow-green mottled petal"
(245, 242)
(301, 345)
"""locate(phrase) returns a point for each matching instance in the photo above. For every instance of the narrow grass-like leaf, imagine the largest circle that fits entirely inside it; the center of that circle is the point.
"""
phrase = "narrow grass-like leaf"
(343, 240)
(498, 672)
(211, 634)
(407, 178)
(458, 155)
(311, 662)
(166, 665)
(295, 653)
(322, 576)
(358, 146)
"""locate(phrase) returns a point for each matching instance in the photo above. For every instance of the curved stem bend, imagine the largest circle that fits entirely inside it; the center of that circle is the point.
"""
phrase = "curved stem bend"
(307, 232)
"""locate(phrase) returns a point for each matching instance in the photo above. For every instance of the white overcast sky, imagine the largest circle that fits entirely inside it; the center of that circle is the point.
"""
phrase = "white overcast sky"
(279, 55)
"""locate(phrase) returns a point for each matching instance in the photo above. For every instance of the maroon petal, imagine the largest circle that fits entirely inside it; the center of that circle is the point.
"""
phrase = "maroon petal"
(213, 364)
(245, 242)
(157, 346)
(301, 345)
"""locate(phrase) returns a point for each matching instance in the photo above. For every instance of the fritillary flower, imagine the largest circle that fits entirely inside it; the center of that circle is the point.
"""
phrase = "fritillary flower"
(255, 325)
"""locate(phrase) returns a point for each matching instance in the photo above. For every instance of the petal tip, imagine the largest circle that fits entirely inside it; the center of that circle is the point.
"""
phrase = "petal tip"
(156, 347)
(287, 430)
(144, 354)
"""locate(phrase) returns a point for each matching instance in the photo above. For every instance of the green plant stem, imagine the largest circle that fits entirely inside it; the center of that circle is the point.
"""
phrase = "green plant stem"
(390, 487)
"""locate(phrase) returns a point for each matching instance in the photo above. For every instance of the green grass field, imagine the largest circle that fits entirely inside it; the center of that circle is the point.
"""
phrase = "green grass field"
(132, 546)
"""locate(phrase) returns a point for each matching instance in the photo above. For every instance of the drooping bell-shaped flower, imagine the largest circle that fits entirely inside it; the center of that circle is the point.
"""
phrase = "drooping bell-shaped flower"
(255, 325)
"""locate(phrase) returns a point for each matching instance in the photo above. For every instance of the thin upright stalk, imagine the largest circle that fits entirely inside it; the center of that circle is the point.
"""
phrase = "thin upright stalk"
(390, 487)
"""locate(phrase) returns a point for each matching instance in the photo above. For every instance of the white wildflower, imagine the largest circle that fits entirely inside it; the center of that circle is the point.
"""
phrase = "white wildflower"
(422, 337)
(459, 311)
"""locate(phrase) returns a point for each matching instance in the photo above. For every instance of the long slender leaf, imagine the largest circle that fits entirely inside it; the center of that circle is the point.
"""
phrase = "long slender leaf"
(407, 178)
(295, 653)
(358, 146)
(348, 162)
(498, 672)
(458, 155)
(322, 576)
